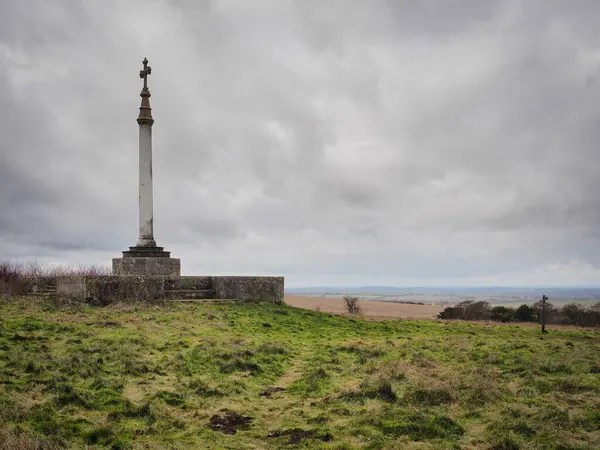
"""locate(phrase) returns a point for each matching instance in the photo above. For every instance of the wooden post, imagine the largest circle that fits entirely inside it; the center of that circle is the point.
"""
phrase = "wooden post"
(543, 318)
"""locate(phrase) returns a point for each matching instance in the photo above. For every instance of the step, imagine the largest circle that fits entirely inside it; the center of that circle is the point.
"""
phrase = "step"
(193, 300)
(181, 294)
(47, 289)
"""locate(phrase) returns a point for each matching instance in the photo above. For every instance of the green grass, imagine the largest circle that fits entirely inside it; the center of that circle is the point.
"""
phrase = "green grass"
(165, 376)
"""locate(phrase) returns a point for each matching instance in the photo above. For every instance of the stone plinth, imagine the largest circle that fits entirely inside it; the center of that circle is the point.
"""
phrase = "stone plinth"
(142, 261)
(145, 265)
(146, 251)
(106, 289)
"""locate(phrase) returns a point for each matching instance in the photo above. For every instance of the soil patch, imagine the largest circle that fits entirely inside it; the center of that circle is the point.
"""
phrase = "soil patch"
(109, 323)
(297, 435)
(229, 422)
(270, 391)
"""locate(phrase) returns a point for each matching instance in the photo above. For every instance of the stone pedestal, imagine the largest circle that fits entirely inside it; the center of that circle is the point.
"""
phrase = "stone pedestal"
(146, 261)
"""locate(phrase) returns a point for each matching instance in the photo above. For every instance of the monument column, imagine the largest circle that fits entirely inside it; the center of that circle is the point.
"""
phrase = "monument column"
(145, 122)
(146, 258)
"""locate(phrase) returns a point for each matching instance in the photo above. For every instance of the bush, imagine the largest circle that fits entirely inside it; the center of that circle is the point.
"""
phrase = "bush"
(526, 313)
(9, 278)
(476, 310)
(21, 278)
(467, 310)
(450, 312)
(351, 304)
(551, 311)
(503, 314)
(570, 314)
(574, 313)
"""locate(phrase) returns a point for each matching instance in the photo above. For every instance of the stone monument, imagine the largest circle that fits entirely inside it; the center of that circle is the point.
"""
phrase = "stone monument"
(145, 258)
(147, 272)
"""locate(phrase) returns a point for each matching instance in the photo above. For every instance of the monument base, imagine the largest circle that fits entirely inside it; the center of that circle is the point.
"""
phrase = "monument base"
(142, 261)
(107, 289)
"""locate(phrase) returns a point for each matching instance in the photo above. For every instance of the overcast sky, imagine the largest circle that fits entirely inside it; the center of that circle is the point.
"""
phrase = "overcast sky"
(333, 142)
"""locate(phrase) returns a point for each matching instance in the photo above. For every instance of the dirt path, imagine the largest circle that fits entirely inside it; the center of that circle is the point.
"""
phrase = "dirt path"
(369, 308)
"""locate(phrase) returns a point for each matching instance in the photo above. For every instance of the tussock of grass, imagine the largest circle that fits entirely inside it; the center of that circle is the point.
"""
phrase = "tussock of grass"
(505, 443)
(392, 370)
(312, 382)
(363, 353)
(428, 397)
(420, 426)
(234, 357)
(171, 398)
(202, 389)
(482, 386)
(371, 389)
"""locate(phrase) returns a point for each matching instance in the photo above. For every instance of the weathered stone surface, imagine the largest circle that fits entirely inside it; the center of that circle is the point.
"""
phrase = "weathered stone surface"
(148, 251)
(187, 282)
(146, 266)
(249, 288)
(105, 289)
(71, 286)
(146, 206)
(111, 289)
(35, 284)
(28, 285)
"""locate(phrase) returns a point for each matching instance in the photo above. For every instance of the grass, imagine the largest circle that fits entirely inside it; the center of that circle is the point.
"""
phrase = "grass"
(232, 375)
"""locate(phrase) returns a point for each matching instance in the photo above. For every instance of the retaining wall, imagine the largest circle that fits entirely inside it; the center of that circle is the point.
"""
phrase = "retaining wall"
(105, 289)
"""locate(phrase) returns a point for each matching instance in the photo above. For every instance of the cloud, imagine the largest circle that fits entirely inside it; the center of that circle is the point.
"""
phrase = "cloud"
(394, 142)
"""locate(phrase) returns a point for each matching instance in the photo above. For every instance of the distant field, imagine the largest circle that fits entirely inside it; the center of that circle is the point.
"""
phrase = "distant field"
(235, 376)
(335, 305)
(430, 299)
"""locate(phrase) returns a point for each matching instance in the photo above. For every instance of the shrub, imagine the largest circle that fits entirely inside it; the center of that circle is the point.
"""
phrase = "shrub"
(575, 314)
(551, 311)
(525, 313)
(570, 314)
(503, 314)
(23, 278)
(351, 304)
(450, 312)
(467, 310)
(9, 278)
(475, 310)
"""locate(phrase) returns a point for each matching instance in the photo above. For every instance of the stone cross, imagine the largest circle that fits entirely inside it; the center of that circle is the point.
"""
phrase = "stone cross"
(146, 258)
(145, 121)
(145, 72)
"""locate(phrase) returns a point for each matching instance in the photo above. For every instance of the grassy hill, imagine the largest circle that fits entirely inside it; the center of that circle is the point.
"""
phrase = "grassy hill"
(220, 375)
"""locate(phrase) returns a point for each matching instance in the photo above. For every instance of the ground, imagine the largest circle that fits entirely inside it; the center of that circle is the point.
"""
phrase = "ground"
(335, 305)
(230, 375)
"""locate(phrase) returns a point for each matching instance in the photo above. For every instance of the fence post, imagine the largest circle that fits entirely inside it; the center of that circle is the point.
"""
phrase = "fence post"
(543, 318)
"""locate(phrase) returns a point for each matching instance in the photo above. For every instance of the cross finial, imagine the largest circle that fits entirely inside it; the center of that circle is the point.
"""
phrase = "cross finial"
(145, 72)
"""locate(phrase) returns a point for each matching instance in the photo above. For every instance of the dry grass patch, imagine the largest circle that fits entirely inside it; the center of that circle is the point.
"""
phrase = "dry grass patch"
(21, 440)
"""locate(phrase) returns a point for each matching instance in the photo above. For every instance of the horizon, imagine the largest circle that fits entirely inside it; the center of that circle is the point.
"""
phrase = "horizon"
(450, 287)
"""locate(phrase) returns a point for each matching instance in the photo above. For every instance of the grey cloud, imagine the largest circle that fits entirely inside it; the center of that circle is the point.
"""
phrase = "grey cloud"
(413, 140)
(212, 228)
